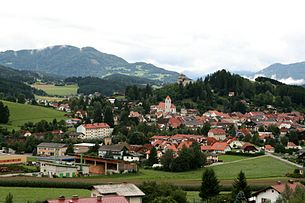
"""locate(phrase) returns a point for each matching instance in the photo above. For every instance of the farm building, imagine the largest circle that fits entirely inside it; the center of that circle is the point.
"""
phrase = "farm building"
(12, 159)
(98, 199)
(51, 149)
(63, 169)
(130, 191)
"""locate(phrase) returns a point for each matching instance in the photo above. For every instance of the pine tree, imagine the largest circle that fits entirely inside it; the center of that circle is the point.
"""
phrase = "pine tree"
(210, 186)
(4, 113)
(240, 184)
(153, 158)
(108, 116)
(240, 198)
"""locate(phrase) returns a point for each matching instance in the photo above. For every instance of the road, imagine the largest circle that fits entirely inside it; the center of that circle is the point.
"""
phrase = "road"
(284, 160)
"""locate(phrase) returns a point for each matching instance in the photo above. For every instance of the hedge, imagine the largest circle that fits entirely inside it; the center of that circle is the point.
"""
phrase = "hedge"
(245, 154)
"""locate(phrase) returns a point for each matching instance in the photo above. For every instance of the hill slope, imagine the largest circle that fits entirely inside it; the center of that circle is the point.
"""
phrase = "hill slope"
(71, 61)
(22, 113)
(279, 71)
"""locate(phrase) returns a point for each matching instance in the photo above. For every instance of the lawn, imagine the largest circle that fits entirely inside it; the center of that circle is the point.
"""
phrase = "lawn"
(49, 98)
(254, 168)
(230, 158)
(22, 113)
(66, 90)
(24, 194)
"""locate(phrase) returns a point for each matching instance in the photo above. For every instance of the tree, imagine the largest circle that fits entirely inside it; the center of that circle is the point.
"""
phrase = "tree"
(70, 150)
(240, 184)
(153, 158)
(167, 160)
(4, 113)
(240, 198)
(9, 198)
(94, 150)
(210, 186)
(108, 116)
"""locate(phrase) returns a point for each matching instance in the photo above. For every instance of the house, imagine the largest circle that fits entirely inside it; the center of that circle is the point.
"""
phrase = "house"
(212, 158)
(63, 169)
(98, 199)
(269, 148)
(133, 157)
(217, 133)
(235, 144)
(249, 148)
(116, 151)
(130, 191)
(174, 122)
(95, 130)
(291, 145)
(167, 106)
(51, 149)
(272, 193)
(220, 147)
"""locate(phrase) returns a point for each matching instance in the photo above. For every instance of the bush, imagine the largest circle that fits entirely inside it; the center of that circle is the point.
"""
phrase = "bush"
(246, 154)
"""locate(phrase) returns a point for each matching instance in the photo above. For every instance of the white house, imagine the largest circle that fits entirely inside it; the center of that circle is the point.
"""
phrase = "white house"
(272, 193)
(95, 130)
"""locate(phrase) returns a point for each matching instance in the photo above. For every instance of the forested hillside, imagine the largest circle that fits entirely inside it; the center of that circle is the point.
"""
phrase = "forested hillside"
(228, 92)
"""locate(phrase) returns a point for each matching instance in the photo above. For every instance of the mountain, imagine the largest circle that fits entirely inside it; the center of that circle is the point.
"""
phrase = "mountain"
(69, 61)
(14, 83)
(289, 73)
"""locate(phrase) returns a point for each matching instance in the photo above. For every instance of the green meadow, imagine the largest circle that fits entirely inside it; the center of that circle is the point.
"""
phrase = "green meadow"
(25, 194)
(53, 90)
(22, 113)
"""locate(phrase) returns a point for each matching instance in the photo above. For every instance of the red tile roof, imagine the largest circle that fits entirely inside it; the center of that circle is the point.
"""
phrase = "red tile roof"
(96, 125)
(105, 199)
(280, 187)
(217, 131)
(268, 147)
(219, 146)
(172, 147)
(291, 144)
(187, 144)
(174, 122)
(162, 106)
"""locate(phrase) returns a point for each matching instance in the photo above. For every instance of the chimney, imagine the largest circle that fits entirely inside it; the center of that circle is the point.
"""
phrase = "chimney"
(279, 182)
(290, 181)
(61, 198)
(99, 198)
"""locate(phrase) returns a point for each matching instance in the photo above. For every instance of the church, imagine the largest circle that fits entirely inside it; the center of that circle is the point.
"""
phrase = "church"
(167, 106)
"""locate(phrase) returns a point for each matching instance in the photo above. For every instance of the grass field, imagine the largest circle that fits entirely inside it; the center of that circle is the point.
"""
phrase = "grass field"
(262, 167)
(230, 158)
(22, 113)
(23, 194)
(49, 98)
(66, 90)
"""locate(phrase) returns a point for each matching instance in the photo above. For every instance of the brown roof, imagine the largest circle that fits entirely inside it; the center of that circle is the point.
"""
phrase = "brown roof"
(105, 199)
(96, 125)
(280, 187)
(217, 131)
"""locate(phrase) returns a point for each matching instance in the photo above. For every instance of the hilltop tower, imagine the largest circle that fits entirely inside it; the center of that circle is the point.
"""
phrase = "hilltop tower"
(168, 104)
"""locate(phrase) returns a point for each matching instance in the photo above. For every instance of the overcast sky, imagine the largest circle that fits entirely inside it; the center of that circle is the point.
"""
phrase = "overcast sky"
(198, 36)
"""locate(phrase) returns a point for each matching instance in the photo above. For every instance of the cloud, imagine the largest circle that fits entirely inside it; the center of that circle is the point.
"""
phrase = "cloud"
(185, 36)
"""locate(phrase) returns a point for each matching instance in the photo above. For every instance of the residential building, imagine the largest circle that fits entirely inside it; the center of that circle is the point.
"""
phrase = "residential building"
(217, 133)
(95, 130)
(272, 193)
(269, 148)
(116, 151)
(51, 149)
(130, 191)
(220, 147)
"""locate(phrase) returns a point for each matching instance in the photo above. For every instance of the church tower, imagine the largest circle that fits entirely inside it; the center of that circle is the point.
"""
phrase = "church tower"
(168, 104)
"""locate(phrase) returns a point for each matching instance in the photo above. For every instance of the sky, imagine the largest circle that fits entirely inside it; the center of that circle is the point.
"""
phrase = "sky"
(191, 36)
